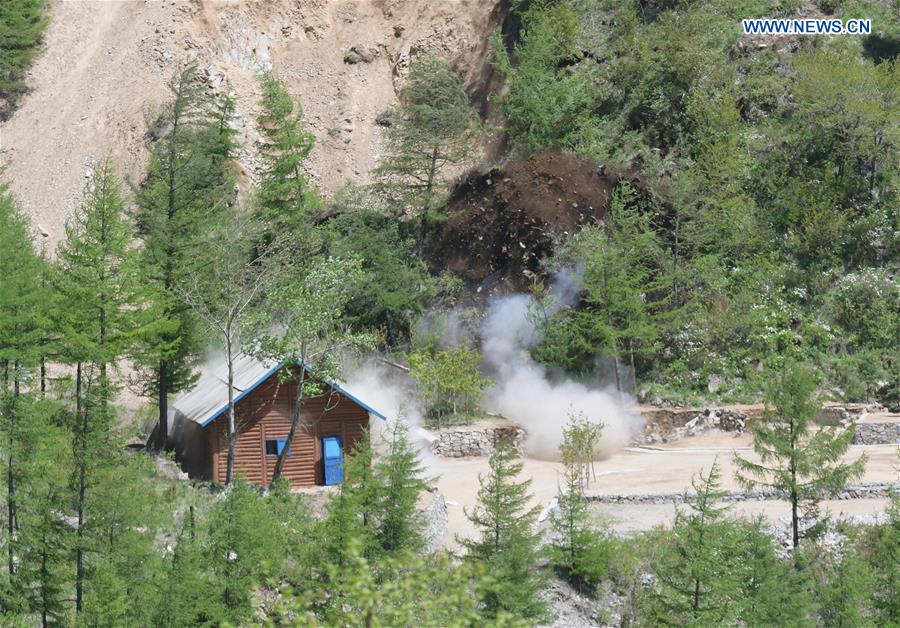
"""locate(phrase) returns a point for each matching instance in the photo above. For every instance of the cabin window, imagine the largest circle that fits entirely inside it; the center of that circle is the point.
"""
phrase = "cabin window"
(274, 447)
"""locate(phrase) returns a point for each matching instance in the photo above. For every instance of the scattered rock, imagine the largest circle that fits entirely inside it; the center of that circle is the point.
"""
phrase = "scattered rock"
(360, 54)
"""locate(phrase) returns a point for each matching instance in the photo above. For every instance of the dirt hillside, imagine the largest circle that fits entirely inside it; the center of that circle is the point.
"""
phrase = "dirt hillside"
(106, 63)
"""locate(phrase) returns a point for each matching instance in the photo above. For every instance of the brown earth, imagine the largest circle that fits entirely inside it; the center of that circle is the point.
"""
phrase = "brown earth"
(505, 222)
(106, 62)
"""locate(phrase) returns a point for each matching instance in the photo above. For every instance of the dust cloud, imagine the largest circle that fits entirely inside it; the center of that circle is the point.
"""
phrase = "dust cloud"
(524, 390)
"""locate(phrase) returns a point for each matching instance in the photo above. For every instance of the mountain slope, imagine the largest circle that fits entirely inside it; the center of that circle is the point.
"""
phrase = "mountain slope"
(106, 64)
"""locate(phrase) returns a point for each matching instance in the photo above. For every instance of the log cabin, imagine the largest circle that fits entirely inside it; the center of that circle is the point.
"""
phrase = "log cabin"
(264, 406)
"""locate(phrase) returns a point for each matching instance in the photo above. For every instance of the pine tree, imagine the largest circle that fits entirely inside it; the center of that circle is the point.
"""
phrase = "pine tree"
(350, 517)
(698, 580)
(23, 306)
(507, 543)
(22, 22)
(434, 127)
(285, 197)
(845, 594)
(100, 299)
(799, 461)
(186, 188)
(399, 483)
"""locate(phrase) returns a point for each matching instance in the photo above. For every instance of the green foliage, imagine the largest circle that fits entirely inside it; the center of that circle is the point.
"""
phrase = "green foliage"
(794, 457)
(285, 196)
(449, 381)
(433, 128)
(548, 100)
(617, 315)
(845, 591)
(186, 187)
(507, 544)
(396, 286)
(243, 548)
(22, 24)
(578, 550)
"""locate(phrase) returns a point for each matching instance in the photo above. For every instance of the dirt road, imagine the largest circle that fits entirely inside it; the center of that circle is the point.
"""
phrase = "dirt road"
(668, 468)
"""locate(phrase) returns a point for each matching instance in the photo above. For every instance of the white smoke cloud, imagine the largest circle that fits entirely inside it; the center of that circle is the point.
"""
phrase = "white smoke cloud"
(525, 393)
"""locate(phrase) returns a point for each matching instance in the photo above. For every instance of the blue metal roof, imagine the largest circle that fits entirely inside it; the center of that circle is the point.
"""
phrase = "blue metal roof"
(202, 404)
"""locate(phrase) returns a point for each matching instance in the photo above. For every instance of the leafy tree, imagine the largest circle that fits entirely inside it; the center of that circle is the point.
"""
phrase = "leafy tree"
(22, 23)
(449, 380)
(578, 451)
(433, 128)
(507, 543)
(397, 285)
(305, 310)
(285, 196)
(185, 190)
(578, 550)
(224, 293)
(794, 458)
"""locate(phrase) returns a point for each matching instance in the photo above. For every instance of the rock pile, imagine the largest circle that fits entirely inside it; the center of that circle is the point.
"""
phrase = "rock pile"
(475, 440)
(877, 434)
(713, 418)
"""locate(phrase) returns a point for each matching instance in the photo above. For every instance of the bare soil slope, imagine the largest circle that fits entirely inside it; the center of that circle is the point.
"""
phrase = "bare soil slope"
(106, 64)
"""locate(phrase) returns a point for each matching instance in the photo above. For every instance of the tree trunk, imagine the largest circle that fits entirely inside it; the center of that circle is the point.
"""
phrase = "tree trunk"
(81, 419)
(295, 421)
(429, 194)
(232, 432)
(11, 480)
(162, 432)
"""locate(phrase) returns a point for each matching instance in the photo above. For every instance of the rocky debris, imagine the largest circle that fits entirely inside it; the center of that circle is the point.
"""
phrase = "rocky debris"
(877, 434)
(436, 520)
(475, 440)
(360, 54)
(699, 422)
(573, 610)
(506, 221)
(864, 490)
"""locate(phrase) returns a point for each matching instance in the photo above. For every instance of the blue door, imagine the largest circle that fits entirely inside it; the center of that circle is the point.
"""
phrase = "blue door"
(333, 458)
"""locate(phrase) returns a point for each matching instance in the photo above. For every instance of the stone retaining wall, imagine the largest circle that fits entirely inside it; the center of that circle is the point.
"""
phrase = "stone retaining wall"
(854, 491)
(475, 440)
(877, 434)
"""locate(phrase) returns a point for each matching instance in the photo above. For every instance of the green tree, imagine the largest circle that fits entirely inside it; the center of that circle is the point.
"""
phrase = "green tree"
(844, 594)
(22, 23)
(886, 565)
(100, 299)
(399, 483)
(698, 580)
(801, 462)
(507, 543)
(185, 190)
(578, 549)
(225, 291)
(244, 547)
(548, 100)
(305, 308)
(617, 316)
(23, 312)
(449, 380)
(433, 128)
(285, 196)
